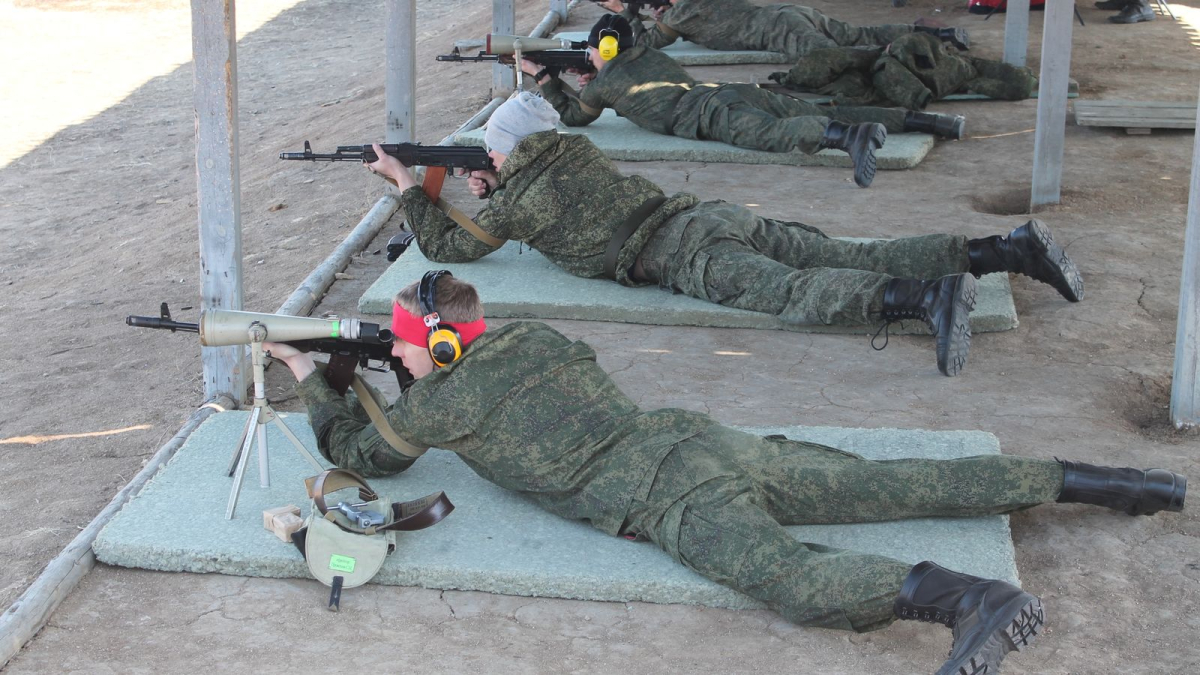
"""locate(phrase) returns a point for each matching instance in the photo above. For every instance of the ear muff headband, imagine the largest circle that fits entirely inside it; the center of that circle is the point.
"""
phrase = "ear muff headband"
(609, 45)
(445, 344)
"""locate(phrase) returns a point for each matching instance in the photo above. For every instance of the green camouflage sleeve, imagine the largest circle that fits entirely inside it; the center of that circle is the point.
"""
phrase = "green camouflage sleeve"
(344, 434)
(439, 237)
(570, 109)
(654, 37)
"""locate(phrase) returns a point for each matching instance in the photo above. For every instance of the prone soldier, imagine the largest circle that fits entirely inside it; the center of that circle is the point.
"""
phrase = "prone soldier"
(650, 89)
(793, 30)
(531, 411)
(560, 195)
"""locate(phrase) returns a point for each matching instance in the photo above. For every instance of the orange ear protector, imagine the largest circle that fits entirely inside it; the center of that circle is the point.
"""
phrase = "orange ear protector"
(609, 44)
(445, 345)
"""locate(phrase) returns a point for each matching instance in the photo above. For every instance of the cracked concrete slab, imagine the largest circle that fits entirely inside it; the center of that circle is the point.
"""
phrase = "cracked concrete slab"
(518, 282)
(692, 54)
(496, 540)
(623, 140)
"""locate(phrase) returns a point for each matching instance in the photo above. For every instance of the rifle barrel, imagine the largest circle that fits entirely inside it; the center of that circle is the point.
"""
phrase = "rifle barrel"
(161, 323)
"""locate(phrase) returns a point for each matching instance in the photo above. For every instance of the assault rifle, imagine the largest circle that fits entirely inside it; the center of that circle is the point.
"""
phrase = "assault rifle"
(635, 6)
(437, 160)
(350, 343)
(554, 61)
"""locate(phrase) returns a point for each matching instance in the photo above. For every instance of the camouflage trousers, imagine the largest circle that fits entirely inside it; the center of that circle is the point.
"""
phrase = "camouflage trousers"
(719, 500)
(725, 253)
(796, 31)
(748, 116)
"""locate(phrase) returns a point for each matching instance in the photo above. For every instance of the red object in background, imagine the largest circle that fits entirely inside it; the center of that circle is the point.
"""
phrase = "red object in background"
(991, 6)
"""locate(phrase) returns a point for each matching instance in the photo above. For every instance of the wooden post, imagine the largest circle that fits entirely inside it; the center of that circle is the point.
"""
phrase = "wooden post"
(1053, 85)
(400, 81)
(1016, 32)
(504, 22)
(218, 202)
(1185, 385)
(559, 7)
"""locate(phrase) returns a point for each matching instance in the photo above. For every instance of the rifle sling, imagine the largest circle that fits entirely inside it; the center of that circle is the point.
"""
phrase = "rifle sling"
(625, 231)
(469, 225)
(374, 410)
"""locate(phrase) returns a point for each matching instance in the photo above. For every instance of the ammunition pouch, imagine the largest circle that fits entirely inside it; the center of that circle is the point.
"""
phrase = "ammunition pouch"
(342, 553)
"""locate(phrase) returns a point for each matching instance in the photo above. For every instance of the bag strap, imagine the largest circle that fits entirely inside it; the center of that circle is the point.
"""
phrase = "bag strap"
(333, 480)
(625, 231)
(419, 514)
(374, 409)
(467, 224)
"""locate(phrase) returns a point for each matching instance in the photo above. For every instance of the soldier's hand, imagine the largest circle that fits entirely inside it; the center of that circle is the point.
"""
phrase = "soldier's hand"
(481, 183)
(529, 67)
(658, 13)
(300, 363)
(389, 167)
(584, 78)
(613, 6)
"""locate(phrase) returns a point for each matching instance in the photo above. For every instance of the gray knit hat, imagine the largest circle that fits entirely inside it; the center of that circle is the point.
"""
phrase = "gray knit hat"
(517, 118)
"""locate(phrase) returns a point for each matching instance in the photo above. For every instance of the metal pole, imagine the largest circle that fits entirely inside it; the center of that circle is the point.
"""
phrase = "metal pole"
(504, 22)
(1016, 32)
(559, 7)
(1053, 87)
(400, 80)
(218, 203)
(1185, 385)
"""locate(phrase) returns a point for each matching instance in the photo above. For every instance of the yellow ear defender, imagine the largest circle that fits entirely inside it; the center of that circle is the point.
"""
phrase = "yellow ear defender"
(445, 344)
(609, 44)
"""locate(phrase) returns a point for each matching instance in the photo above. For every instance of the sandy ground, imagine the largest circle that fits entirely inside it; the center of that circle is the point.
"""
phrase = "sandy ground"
(98, 216)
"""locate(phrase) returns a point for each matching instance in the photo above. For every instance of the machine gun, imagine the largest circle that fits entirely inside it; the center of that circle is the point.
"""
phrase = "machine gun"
(350, 343)
(437, 160)
(554, 55)
(635, 6)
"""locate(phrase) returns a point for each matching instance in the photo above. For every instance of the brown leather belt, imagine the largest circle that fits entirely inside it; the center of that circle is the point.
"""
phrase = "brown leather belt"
(625, 231)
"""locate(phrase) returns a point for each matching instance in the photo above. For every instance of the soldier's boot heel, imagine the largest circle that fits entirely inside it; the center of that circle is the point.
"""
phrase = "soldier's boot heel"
(944, 305)
(860, 141)
(1135, 12)
(989, 618)
(942, 126)
(1029, 250)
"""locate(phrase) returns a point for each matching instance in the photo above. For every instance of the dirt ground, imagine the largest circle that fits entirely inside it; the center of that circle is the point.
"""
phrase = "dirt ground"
(97, 209)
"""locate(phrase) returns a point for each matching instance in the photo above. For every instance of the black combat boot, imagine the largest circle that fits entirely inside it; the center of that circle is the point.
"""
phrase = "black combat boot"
(944, 305)
(1113, 5)
(942, 126)
(955, 36)
(1134, 12)
(1028, 250)
(860, 141)
(1134, 491)
(989, 618)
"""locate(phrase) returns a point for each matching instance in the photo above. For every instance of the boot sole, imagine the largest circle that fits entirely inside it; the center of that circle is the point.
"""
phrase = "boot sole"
(864, 174)
(1161, 496)
(952, 349)
(1022, 625)
(1056, 268)
(1131, 19)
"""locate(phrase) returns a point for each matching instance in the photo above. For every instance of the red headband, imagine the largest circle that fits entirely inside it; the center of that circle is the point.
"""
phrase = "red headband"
(412, 329)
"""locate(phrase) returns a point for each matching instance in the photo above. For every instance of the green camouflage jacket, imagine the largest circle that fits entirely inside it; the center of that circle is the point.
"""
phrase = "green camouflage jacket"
(560, 195)
(716, 24)
(526, 409)
(911, 72)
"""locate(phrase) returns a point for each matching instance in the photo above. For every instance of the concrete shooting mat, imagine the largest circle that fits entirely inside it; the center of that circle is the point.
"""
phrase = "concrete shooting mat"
(623, 140)
(518, 282)
(691, 54)
(498, 541)
(818, 99)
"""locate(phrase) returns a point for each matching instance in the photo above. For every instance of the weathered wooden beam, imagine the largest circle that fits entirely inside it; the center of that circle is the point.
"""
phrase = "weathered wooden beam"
(1053, 85)
(504, 22)
(1185, 385)
(1016, 32)
(218, 186)
(400, 79)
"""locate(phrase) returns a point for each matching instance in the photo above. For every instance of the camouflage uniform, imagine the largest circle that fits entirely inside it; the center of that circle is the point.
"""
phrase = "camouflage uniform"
(741, 25)
(562, 196)
(914, 71)
(531, 411)
(676, 105)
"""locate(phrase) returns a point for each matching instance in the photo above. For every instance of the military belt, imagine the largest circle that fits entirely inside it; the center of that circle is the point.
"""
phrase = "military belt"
(626, 230)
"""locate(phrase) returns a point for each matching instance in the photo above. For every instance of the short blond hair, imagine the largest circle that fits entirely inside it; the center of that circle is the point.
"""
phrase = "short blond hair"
(455, 301)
